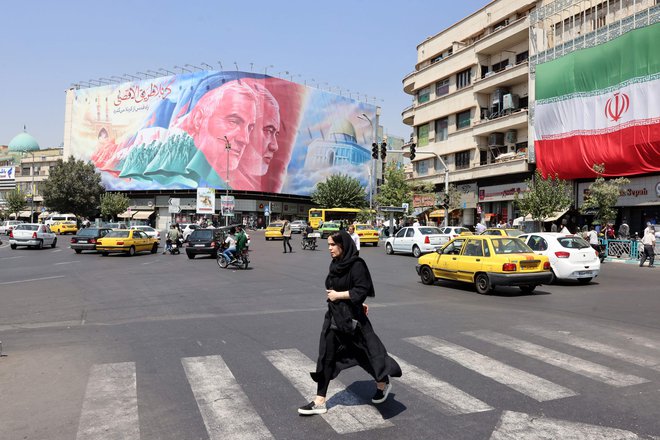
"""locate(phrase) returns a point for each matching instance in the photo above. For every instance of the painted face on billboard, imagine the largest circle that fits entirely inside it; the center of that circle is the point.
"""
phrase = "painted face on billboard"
(231, 118)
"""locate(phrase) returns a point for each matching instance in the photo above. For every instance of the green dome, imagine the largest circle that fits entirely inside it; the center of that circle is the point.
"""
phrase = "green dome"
(23, 142)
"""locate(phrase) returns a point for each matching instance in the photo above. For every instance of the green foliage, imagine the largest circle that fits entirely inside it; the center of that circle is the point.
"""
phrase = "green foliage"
(602, 196)
(113, 204)
(339, 191)
(364, 216)
(15, 201)
(395, 190)
(73, 186)
(454, 197)
(545, 196)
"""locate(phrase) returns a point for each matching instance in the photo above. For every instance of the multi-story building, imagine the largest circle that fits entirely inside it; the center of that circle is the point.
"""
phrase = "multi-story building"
(470, 93)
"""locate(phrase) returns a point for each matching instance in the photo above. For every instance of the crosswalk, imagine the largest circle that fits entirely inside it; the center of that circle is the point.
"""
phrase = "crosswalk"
(110, 407)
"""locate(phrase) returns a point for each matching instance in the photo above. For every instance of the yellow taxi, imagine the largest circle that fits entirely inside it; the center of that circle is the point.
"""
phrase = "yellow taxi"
(367, 234)
(273, 230)
(487, 262)
(506, 232)
(64, 228)
(129, 241)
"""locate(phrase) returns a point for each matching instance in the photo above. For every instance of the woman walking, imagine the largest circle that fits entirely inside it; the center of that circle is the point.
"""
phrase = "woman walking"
(347, 337)
(286, 235)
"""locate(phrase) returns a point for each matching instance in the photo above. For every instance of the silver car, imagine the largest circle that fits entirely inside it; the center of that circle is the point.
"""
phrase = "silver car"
(298, 226)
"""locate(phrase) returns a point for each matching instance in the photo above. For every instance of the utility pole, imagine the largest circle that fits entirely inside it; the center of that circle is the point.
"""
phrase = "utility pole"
(227, 150)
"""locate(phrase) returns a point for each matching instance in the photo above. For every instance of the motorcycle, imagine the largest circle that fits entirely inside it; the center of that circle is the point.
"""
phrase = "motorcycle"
(600, 249)
(175, 246)
(309, 241)
(241, 259)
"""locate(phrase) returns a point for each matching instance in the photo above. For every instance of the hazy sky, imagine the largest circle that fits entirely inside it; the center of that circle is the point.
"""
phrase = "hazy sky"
(364, 47)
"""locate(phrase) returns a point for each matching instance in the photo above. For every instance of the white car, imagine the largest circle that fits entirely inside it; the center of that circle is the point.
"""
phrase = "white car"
(187, 229)
(298, 226)
(32, 235)
(151, 232)
(416, 240)
(571, 257)
(454, 231)
(8, 225)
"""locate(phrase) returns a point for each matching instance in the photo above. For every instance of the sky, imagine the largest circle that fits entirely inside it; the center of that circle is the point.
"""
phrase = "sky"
(345, 46)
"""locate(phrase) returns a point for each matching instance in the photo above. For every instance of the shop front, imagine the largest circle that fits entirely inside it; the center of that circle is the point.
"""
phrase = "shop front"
(496, 203)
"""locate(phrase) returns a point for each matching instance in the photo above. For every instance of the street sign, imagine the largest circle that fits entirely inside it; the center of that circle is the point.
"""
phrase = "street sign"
(174, 205)
(392, 209)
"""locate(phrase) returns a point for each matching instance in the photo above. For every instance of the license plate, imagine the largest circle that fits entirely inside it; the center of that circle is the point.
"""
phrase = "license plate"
(199, 245)
(82, 241)
(584, 272)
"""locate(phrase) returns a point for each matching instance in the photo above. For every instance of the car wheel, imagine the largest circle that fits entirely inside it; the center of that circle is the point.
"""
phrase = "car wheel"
(584, 280)
(388, 249)
(376, 244)
(427, 275)
(222, 262)
(154, 249)
(13, 246)
(482, 284)
(131, 251)
(416, 251)
(553, 280)
(78, 251)
(245, 264)
(54, 243)
(191, 256)
(40, 245)
(528, 288)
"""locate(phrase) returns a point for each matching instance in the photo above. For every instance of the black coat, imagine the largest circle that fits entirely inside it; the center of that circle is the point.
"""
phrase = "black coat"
(361, 346)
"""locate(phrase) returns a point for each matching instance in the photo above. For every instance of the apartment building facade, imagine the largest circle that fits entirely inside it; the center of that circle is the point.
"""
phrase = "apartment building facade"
(470, 92)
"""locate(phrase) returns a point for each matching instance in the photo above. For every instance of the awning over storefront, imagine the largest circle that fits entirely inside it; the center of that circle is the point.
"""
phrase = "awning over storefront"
(142, 215)
(440, 212)
(127, 214)
(24, 214)
(488, 216)
(551, 218)
(419, 211)
(44, 214)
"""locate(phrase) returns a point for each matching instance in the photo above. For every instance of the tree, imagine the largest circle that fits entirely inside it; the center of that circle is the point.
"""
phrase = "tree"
(544, 197)
(15, 201)
(395, 191)
(602, 196)
(340, 191)
(113, 204)
(73, 186)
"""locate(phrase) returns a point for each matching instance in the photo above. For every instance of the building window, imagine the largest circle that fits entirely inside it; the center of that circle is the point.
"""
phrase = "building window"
(463, 79)
(498, 67)
(25, 171)
(522, 57)
(463, 119)
(462, 160)
(442, 87)
(422, 168)
(441, 129)
(483, 157)
(423, 135)
(424, 95)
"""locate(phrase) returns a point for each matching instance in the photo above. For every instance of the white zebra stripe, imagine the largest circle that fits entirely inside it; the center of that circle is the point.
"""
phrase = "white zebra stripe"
(452, 400)
(110, 407)
(347, 412)
(595, 346)
(226, 410)
(567, 362)
(528, 384)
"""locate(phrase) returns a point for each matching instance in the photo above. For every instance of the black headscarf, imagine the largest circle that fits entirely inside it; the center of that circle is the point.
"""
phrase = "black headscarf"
(340, 267)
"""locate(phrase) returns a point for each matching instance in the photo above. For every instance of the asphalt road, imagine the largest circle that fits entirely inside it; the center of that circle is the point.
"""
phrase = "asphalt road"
(163, 347)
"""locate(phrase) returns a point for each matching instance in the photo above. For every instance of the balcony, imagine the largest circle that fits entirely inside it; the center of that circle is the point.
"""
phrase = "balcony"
(408, 115)
(504, 38)
(508, 77)
(409, 83)
(516, 120)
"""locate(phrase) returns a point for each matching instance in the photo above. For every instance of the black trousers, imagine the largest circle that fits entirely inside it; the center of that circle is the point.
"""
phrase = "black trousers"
(285, 243)
(649, 252)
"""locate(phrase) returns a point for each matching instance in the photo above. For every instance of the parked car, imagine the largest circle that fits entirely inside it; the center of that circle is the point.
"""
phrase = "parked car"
(455, 231)
(87, 238)
(367, 234)
(328, 228)
(571, 257)
(416, 240)
(187, 229)
(8, 225)
(298, 226)
(273, 230)
(64, 227)
(34, 235)
(129, 241)
(503, 232)
(151, 232)
(115, 225)
(486, 261)
(205, 242)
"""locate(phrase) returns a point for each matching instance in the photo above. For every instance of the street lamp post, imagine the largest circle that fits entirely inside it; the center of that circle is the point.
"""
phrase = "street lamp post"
(227, 149)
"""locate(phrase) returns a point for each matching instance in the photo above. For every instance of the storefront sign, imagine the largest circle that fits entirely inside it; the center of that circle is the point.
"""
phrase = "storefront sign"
(205, 201)
(423, 200)
(498, 193)
(468, 192)
(641, 191)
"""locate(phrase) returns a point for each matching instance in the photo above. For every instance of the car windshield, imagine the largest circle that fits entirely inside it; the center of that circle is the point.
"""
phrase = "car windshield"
(573, 242)
(510, 246)
(202, 234)
(118, 234)
(429, 231)
(26, 227)
(514, 232)
(275, 225)
(88, 232)
(330, 226)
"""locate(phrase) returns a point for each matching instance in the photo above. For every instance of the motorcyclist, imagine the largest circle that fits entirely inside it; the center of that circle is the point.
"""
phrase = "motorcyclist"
(308, 230)
(230, 242)
(172, 235)
(241, 239)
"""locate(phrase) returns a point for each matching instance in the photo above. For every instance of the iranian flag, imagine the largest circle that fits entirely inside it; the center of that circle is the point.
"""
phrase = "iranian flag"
(601, 105)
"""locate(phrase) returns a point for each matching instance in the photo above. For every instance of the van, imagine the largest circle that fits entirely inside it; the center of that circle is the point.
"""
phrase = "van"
(60, 218)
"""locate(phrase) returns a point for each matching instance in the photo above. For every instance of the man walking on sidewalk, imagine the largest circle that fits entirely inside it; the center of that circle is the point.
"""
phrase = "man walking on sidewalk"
(649, 246)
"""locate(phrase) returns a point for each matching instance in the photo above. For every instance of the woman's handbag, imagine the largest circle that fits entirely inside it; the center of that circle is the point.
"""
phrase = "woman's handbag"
(341, 318)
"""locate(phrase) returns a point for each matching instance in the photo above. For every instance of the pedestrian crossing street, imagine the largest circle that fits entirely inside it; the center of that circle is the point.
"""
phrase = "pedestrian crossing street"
(111, 403)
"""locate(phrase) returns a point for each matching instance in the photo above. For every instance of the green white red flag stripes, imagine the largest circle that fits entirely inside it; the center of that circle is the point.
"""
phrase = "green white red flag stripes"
(601, 105)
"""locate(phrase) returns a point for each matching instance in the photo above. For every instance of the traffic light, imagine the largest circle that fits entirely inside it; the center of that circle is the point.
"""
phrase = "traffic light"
(374, 150)
(383, 150)
(412, 151)
(445, 199)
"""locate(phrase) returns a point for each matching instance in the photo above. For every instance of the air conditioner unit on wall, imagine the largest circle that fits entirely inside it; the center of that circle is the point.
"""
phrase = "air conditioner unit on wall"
(511, 137)
(510, 101)
(495, 139)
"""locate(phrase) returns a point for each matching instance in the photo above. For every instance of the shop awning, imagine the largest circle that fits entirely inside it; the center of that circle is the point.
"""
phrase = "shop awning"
(127, 214)
(44, 214)
(555, 216)
(24, 214)
(418, 211)
(440, 212)
(518, 220)
(142, 215)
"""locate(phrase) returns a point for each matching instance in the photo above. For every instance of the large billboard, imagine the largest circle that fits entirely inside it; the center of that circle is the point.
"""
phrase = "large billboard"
(213, 129)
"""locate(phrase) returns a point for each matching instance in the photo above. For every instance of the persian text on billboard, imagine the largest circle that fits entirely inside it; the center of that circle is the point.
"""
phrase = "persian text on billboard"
(205, 129)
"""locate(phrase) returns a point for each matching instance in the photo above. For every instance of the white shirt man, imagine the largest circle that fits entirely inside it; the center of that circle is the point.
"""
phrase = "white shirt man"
(354, 236)
(416, 223)
(480, 228)
(593, 237)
